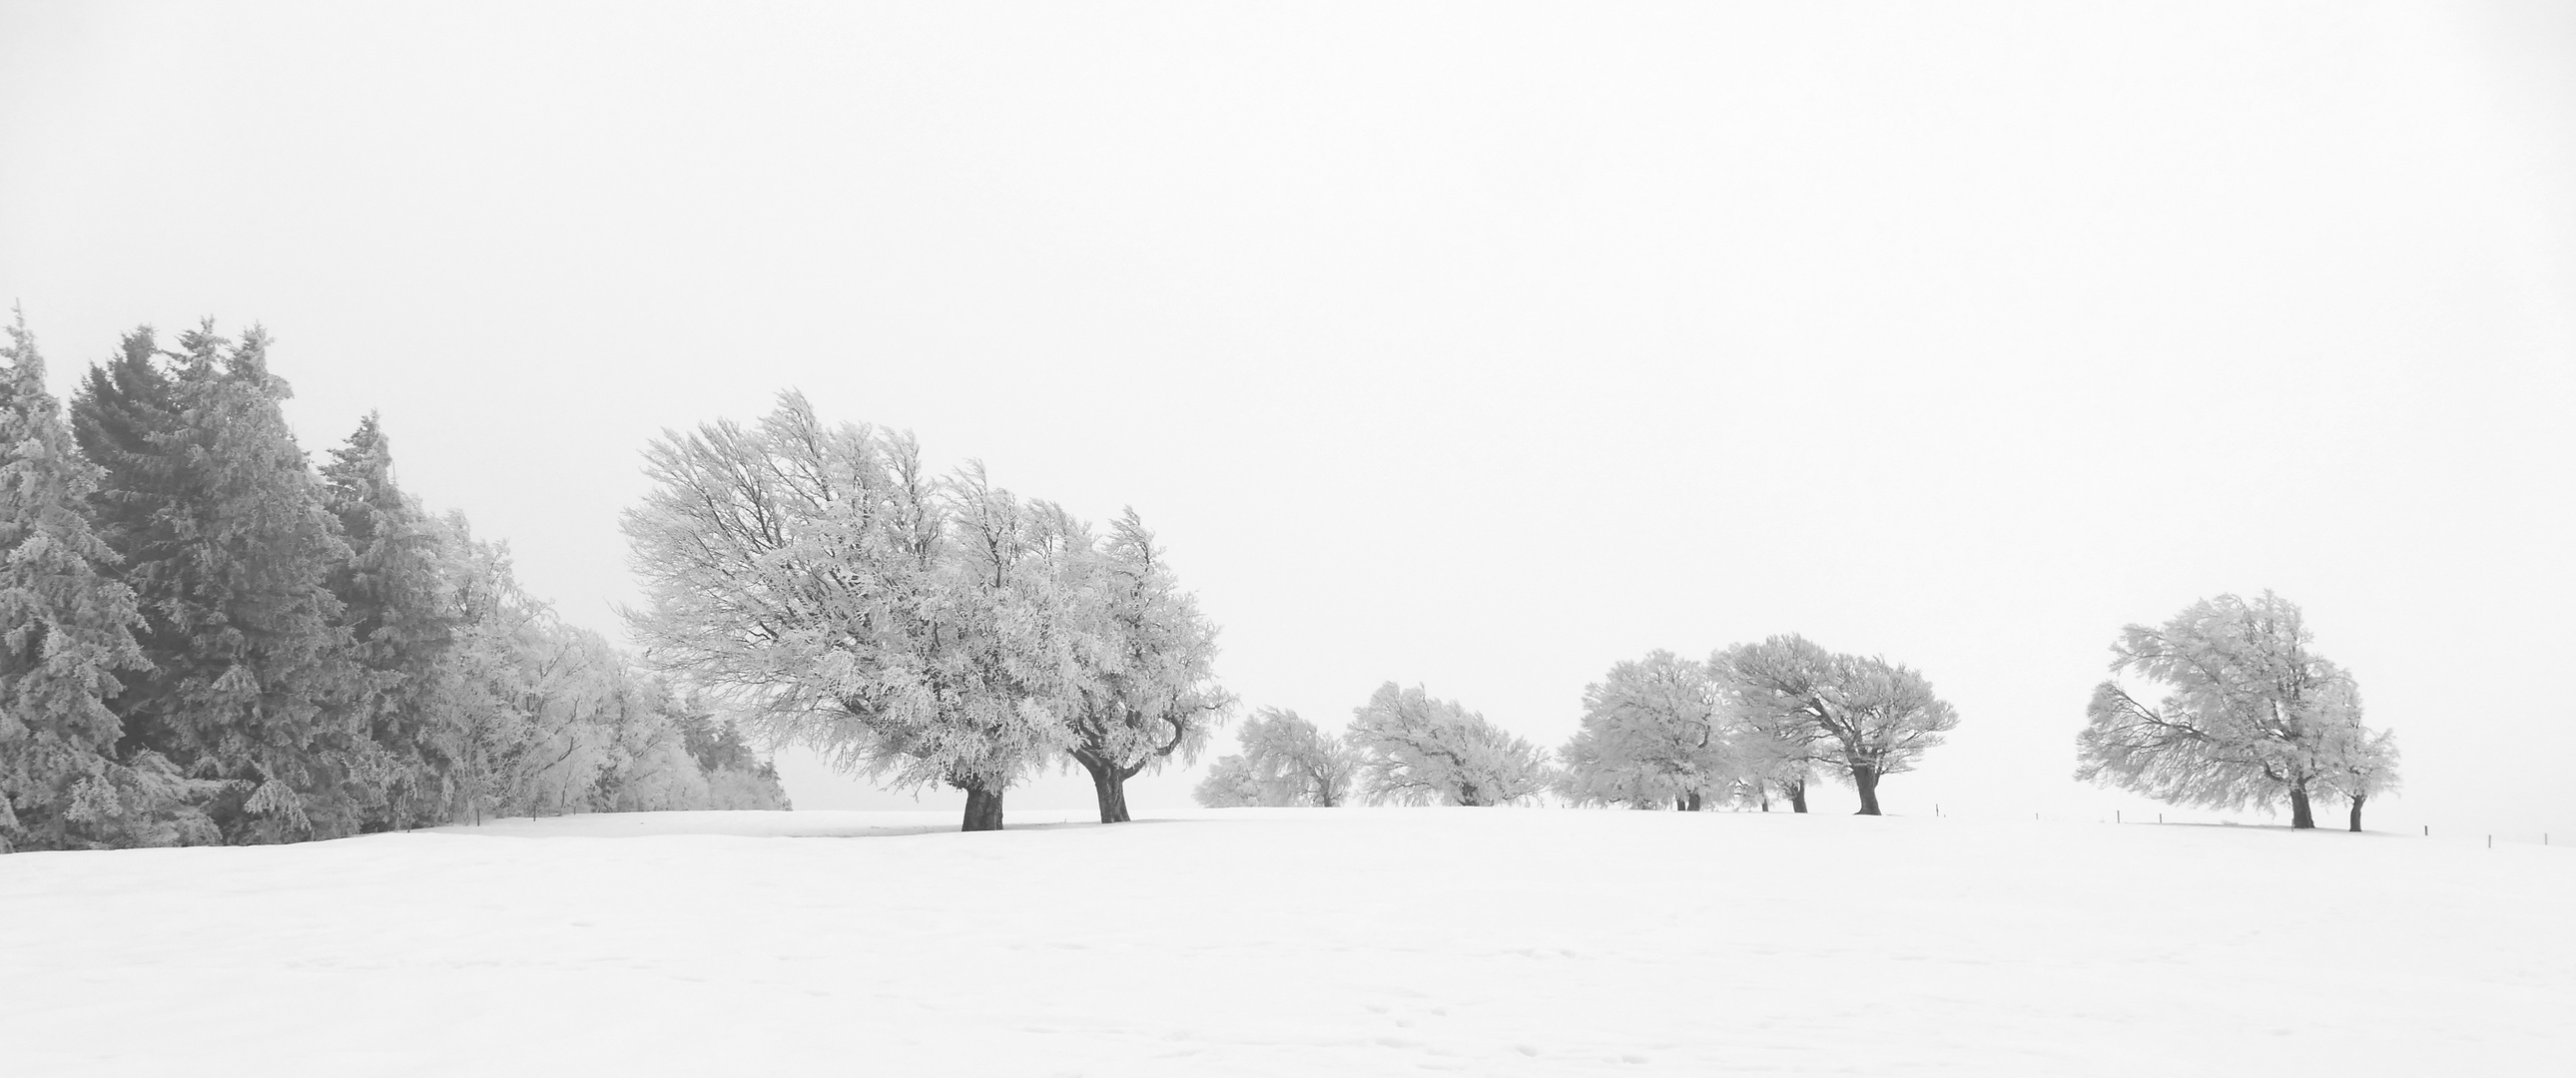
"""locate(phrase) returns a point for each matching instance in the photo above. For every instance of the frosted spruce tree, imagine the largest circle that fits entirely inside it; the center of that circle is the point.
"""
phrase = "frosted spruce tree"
(1866, 718)
(226, 543)
(1147, 688)
(1416, 750)
(2248, 714)
(66, 634)
(818, 577)
(402, 616)
(1285, 761)
(1652, 734)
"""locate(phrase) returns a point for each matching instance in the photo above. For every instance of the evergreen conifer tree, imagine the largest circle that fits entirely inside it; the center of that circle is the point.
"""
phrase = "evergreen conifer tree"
(402, 619)
(66, 630)
(228, 546)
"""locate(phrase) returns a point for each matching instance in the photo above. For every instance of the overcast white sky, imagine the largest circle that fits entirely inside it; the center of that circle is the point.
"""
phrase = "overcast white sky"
(1473, 345)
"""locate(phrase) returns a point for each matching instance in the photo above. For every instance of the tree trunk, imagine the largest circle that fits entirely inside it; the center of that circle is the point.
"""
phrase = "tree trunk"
(1798, 795)
(2301, 818)
(1681, 802)
(983, 810)
(2356, 812)
(1865, 780)
(1692, 804)
(1108, 787)
(1762, 792)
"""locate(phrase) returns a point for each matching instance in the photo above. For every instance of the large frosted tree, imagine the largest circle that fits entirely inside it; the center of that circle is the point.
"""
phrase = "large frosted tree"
(1652, 733)
(2246, 714)
(818, 576)
(1147, 689)
(1418, 750)
(66, 634)
(1865, 717)
(226, 543)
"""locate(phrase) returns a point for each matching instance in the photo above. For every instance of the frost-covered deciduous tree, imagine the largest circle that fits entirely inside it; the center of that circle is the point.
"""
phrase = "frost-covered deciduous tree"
(817, 575)
(555, 720)
(2361, 764)
(1285, 761)
(1147, 687)
(224, 539)
(1865, 717)
(1008, 639)
(1652, 734)
(1230, 783)
(1778, 754)
(2249, 714)
(1416, 750)
(66, 633)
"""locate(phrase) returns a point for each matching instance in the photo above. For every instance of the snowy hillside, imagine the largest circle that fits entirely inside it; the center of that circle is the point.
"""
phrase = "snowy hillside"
(1295, 942)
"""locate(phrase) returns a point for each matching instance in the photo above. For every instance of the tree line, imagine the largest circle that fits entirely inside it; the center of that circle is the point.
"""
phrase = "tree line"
(934, 629)
(204, 638)
(1750, 724)
(2249, 717)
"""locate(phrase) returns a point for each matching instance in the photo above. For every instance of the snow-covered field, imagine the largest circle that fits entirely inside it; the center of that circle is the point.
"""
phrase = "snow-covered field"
(1295, 942)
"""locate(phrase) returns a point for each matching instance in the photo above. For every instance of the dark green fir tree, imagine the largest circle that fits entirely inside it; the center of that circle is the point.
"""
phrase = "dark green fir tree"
(66, 634)
(229, 548)
(403, 618)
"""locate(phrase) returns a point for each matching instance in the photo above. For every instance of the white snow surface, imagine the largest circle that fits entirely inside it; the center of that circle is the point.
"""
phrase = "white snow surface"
(1295, 942)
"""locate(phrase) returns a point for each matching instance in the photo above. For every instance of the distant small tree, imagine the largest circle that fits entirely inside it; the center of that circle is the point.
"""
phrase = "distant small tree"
(1866, 717)
(1779, 757)
(737, 776)
(1285, 761)
(1417, 750)
(2361, 764)
(1230, 784)
(1651, 733)
(2250, 714)
(1590, 772)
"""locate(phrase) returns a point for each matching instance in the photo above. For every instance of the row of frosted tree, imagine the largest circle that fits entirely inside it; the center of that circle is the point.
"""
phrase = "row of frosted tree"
(934, 629)
(206, 639)
(2246, 715)
(1750, 725)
